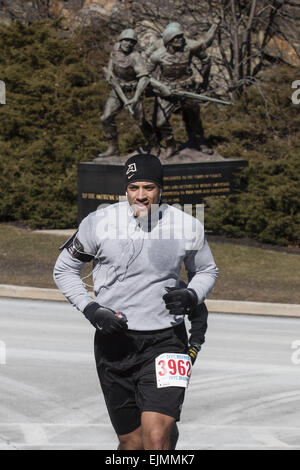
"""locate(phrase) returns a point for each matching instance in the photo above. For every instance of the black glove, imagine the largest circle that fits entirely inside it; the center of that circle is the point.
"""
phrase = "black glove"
(104, 319)
(198, 318)
(193, 352)
(180, 301)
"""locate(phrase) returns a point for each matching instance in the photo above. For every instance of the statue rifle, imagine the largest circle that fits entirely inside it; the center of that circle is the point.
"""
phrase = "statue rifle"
(163, 90)
(195, 96)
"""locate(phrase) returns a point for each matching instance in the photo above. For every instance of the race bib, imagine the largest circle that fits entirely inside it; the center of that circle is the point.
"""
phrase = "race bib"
(173, 370)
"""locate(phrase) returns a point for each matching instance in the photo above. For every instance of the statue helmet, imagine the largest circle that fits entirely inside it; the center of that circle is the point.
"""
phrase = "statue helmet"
(128, 34)
(172, 30)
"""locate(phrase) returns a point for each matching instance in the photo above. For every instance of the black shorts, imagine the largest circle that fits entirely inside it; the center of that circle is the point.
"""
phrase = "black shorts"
(126, 369)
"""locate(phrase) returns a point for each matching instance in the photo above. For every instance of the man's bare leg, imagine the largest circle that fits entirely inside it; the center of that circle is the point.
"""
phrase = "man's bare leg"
(156, 430)
(174, 437)
(131, 441)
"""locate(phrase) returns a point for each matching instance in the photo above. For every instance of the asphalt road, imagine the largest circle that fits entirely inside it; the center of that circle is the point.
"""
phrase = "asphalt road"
(244, 392)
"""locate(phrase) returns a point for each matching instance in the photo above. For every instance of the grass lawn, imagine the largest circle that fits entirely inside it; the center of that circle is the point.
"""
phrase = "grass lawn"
(246, 273)
(255, 274)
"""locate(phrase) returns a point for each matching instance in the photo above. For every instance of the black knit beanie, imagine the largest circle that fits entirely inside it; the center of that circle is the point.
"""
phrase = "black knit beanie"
(143, 167)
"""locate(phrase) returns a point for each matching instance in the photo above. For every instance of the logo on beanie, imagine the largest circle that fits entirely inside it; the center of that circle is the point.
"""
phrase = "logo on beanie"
(131, 169)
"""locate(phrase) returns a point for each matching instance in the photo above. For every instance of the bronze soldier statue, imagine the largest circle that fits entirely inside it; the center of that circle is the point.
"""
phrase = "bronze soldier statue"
(128, 75)
(173, 61)
(200, 63)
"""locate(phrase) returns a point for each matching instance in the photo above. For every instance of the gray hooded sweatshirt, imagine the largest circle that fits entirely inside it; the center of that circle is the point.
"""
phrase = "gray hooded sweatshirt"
(134, 260)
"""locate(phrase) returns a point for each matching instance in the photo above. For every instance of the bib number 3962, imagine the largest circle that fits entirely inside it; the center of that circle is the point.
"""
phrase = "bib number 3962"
(173, 370)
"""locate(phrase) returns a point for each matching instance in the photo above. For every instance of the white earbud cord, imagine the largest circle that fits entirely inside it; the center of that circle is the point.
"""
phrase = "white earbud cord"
(122, 276)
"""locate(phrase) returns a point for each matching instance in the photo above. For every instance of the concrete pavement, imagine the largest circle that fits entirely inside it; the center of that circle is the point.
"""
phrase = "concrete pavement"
(244, 391)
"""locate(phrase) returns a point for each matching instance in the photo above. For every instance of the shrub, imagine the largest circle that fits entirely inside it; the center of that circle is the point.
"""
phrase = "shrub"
(55, 95)
(49, 124)
(266, 205)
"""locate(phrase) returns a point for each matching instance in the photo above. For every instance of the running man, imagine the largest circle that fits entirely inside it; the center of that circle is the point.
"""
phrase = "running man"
(137, 248)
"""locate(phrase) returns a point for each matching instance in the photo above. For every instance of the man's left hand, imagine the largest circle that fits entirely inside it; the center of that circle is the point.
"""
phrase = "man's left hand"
(180, 301)
(193, 352)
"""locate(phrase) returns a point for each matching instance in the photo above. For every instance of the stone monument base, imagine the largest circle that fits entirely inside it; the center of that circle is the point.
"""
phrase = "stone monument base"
(189, 177)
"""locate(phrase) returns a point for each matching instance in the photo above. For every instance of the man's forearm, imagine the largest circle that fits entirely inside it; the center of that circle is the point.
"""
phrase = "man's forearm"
(206, 40)
(202, 272)
(203, 282)
(66, 275)
(141, 86)
(198, 318)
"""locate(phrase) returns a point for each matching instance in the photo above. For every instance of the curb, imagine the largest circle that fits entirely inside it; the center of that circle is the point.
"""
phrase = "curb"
(58, 232)
(34, 293)
(217, 306)
(253, 308)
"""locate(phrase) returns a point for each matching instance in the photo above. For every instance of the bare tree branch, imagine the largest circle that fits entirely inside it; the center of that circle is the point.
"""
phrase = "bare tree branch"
(240, 50)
